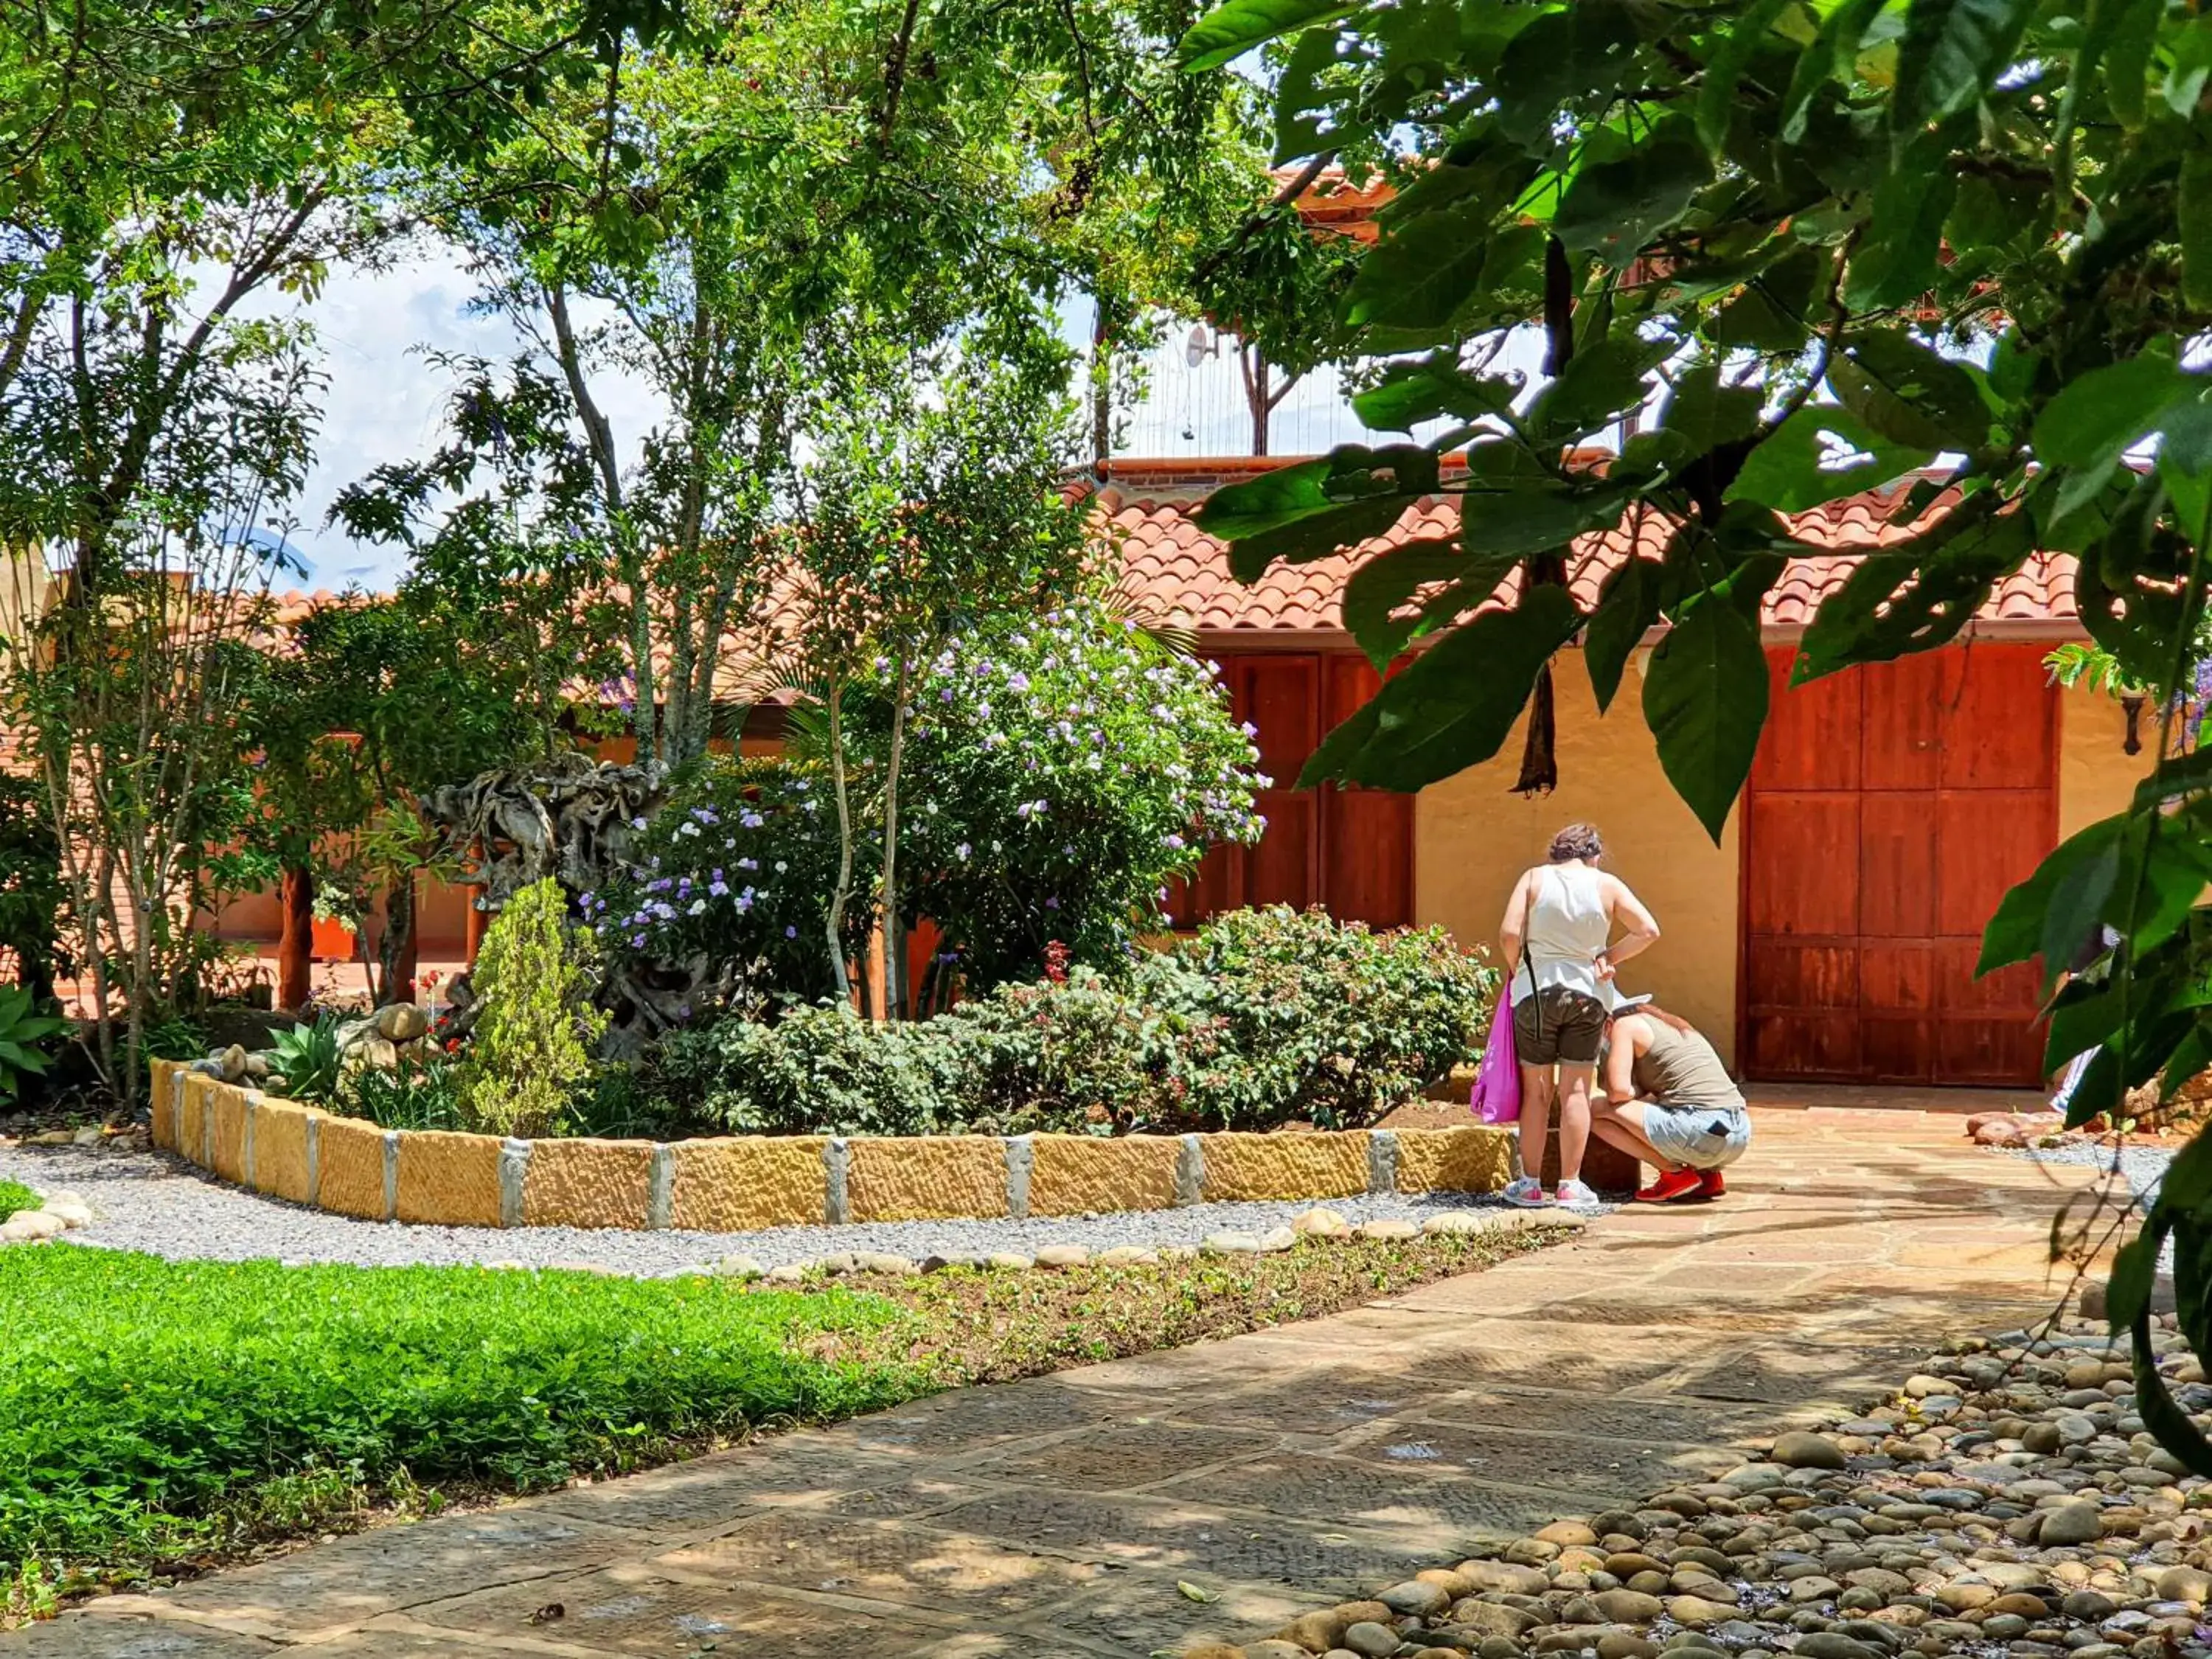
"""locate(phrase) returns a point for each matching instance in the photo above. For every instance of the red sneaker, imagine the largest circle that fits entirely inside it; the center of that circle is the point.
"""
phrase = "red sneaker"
(1710, 1184)
(1675, 1183)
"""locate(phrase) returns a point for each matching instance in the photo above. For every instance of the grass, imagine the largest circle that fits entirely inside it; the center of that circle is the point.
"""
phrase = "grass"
(15, 1196)
(157, 1419)
(152, 1411)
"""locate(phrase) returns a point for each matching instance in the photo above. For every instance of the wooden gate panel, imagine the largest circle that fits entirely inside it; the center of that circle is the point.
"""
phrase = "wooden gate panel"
(1885, 820)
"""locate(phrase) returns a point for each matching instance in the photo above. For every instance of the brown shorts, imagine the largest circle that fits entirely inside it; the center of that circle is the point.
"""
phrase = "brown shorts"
(1559, 1025)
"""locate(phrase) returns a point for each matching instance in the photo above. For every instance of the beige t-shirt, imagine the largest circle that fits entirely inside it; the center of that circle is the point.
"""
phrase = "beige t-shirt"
(1684, 1071)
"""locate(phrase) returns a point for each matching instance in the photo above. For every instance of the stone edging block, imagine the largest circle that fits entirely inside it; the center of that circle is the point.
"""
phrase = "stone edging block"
(743, 1183)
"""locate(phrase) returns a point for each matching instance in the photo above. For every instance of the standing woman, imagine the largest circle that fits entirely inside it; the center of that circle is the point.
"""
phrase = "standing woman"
(1558, 937)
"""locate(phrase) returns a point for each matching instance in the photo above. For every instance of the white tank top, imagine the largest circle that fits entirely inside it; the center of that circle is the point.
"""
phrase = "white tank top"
(1567, 927)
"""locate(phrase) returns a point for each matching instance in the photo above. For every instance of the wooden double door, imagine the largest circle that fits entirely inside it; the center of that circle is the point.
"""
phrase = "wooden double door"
(1348, 849)
(1888, 810)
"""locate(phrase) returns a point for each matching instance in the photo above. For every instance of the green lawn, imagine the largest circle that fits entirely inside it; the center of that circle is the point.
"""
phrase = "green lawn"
(15, 1197)
(159, 1417)
(151, 1411)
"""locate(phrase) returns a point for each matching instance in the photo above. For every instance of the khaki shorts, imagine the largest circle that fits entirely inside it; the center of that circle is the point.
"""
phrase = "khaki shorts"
(1559, 1025)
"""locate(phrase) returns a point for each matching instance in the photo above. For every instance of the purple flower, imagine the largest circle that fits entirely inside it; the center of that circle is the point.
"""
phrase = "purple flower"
(1175, 842)
(790, 932)
(751, 820)
(706, 815)
(1052, 903)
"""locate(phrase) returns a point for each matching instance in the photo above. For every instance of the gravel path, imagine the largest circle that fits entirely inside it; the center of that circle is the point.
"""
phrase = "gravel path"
(147, 1201)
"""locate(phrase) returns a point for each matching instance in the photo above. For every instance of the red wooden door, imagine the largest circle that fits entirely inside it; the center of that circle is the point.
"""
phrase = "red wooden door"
(1888, 809)
(1349, 850)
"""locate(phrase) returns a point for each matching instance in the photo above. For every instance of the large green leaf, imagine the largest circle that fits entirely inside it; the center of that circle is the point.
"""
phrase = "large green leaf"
(1576, 51)
(1454, 706)
(1896, 261)
(1419, 277)
(1411, 394)
(1907, 393)
(1389, 581)
(1611, 210)
(1833, 54)
(1953, 51)
(1627, 608)
(1531, 518)
(1311, 509)
(1704, 699)
(1708, 414)
(2100, 415)
(1229, 31)
(1604, 381)
(1789, 471)
(1724, 68)
(1917, 595)
(2014, 934)
(2130, 587)
(1778, 306)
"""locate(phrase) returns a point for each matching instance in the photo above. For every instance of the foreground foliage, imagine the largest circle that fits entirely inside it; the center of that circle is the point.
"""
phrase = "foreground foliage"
(15, 1196)
(1837, 245)
(1265, 1018)
(141, 1400)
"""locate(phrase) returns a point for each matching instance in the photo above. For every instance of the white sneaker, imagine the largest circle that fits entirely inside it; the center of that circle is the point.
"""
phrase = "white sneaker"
(1573, 1195)
(1528, 1194)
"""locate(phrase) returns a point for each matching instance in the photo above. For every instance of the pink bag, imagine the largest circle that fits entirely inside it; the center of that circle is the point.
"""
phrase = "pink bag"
(1497, 1096)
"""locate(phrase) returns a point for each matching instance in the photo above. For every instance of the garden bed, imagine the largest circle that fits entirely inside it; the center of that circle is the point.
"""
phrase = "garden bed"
(164, 1419)
(350, 1167)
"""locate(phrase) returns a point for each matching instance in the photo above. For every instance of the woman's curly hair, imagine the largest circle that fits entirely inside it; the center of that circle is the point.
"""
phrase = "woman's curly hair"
(1577, 841)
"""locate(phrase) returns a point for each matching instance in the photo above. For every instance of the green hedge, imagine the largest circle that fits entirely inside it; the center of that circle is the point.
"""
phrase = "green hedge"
(15, 1196)
(1265, 1018)
(138, 1396)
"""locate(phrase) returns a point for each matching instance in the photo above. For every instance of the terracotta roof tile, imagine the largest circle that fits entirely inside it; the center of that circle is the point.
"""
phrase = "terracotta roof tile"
(1173, 572)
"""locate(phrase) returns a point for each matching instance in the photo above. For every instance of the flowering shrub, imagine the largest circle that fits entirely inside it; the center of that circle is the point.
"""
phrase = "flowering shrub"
(1266, 1017)
(1058, 776)
(735, 870)
(1063, 772)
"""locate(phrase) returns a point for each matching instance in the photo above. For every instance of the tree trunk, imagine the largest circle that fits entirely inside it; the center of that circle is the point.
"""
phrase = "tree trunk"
(887, 913)
(397, 951)
(295, 943)
(836, 925)
(475, 922)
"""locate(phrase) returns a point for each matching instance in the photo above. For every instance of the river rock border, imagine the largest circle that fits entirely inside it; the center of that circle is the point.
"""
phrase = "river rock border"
(745, 1184)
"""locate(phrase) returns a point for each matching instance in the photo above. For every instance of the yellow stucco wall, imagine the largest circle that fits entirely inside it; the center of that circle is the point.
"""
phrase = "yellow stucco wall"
(2096, 774)
(1472, 836)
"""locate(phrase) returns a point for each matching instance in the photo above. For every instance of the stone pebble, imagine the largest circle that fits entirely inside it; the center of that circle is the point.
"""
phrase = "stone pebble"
(2005, 1502)
(149, 1201)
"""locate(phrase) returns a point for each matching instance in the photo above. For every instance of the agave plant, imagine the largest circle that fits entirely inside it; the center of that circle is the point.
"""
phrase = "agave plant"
(307, 1058)
(22, 1028)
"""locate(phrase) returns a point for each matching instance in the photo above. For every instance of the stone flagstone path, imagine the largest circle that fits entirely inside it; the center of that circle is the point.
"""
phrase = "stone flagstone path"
(1276, 1472)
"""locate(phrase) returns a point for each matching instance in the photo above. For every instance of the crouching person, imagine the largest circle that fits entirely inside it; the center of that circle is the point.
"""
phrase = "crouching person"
(1669, 1102)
